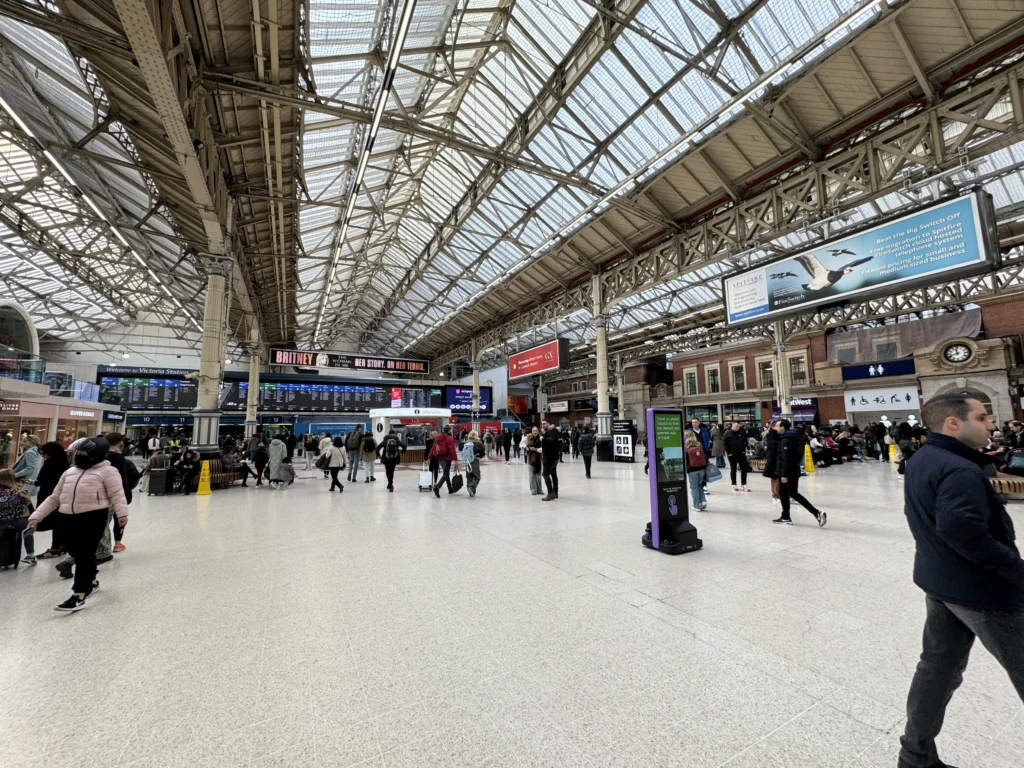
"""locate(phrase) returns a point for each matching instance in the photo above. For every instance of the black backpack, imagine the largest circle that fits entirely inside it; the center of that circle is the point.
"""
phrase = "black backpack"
(369, 444)
(390, 449)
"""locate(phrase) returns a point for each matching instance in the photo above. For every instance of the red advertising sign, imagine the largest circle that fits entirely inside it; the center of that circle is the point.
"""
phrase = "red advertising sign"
(552, 356)
(519, 403)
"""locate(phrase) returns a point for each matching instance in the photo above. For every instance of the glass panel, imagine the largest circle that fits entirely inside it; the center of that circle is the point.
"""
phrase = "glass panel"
(744, 413)
(798, 371)
(847, 356)
(707, 414)
(691, 383)
(887, 350)
(739, 378)
(766, 375)
(713, 383)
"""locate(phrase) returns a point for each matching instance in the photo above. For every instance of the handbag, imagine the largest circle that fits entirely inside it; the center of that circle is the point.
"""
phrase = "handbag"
(457, 482)
(322, 461)
(712, 473)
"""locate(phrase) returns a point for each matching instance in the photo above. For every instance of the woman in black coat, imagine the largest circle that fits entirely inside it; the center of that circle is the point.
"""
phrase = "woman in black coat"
(55, 464)
(771, 457)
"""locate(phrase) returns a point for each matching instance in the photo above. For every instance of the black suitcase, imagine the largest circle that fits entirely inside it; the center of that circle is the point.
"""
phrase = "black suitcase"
(159, 482)
(10, 548)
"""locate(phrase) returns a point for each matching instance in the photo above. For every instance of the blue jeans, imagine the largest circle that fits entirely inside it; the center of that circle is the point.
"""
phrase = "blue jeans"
(353, 466)
(446, 478)
(696, 479)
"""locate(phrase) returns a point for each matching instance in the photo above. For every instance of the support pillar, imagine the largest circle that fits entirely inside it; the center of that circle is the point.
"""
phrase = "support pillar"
(605, 450)
(782, 372)
(206, 416)
(475, 417)
(252, 399)
(620, 386)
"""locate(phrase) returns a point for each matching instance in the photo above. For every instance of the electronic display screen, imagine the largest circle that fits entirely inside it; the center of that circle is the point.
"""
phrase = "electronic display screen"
(669, 455)
(149, 394)
(460, 399)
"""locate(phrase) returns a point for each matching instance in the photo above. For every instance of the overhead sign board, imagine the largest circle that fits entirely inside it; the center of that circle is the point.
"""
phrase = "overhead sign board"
(552, 356)
(879, 370)
(557, 406)
(320, 359)
(894, 399)
(956, 236)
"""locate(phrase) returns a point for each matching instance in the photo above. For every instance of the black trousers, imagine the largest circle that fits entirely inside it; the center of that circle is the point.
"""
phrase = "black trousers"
(791, 490)
(506, 449)
(82, 533)
(389, 472)
(739, 460)
(551, 476)
(949, 632)
(335, 483)
(586, 464)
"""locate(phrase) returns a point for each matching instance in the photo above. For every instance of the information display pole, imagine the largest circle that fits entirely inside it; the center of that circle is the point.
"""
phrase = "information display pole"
(670, 530)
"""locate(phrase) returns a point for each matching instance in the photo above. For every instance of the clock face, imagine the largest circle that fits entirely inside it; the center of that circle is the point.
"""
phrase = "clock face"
(957, 353)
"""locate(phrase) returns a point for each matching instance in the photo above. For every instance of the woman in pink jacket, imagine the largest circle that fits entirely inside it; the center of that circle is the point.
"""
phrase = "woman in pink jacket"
(84, 494)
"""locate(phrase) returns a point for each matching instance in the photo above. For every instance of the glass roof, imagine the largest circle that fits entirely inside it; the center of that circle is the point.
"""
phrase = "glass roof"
(398, 253)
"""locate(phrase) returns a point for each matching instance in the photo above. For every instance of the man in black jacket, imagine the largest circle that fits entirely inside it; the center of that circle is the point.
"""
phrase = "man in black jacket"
(788, 463)
(967, 564)
(551, 454)
(736, 450)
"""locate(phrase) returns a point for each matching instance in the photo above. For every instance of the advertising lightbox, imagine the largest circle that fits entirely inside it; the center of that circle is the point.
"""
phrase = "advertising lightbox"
(953, 237)
(552, 356)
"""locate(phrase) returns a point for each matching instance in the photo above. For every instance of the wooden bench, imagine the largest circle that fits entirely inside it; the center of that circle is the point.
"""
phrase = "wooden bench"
(1011, 488)
(218, 475)
(756, 465)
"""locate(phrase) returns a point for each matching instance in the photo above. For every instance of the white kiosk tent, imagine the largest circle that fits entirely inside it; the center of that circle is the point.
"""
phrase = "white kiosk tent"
(381, 419)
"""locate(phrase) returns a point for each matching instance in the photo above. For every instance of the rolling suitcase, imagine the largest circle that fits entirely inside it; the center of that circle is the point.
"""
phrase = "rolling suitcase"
(159, 482)
(426, 481)
(10, 548)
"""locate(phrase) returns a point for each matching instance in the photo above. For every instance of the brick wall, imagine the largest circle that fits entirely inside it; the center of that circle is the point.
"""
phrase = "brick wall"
(833, 407)
(1003, 319)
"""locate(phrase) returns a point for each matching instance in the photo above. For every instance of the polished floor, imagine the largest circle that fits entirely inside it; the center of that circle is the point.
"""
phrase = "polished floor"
(303, 628)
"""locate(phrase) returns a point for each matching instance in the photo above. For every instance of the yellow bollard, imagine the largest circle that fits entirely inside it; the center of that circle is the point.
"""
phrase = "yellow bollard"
(895, 456)
(204, 480)
(809, 460)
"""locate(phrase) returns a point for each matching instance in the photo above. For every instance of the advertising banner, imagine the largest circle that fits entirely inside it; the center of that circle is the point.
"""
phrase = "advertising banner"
(882, 398)
(553, 356)
(956, 235)
(804, 409)
(320, 359)
(519, 403)
(557, 406)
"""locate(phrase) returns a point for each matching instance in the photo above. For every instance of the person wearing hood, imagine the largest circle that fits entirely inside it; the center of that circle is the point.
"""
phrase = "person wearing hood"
(472, 451)
(188, 468)
(788, 463)
(278, 450)
(84, 494)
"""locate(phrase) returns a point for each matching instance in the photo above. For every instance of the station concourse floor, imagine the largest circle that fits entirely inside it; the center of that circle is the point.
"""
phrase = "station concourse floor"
(304, 628)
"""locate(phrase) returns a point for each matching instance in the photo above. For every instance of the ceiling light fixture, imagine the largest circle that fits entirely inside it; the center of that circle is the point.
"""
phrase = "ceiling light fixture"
(390, 68)
(125, 355)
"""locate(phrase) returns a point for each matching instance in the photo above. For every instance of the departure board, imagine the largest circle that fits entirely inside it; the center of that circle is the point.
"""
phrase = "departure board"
(150, 394)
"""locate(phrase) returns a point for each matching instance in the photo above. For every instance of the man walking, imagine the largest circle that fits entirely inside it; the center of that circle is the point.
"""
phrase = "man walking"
(443, 449)
(788, 462)
(967, 564)
(736, 451)
(587, 443)
(390, 452)
(352, 447)
(550, 454)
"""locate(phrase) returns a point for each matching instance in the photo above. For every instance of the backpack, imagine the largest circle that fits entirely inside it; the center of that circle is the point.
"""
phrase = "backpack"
(369, 444)
(133, 475)
(478, 450)
(391, 449)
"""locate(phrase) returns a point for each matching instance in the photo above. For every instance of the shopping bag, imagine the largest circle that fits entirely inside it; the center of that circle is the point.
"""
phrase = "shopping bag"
(457, 482)
(712, 473)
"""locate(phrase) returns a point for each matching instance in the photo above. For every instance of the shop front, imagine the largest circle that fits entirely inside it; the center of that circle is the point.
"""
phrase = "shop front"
(17, 418)
(113, 422)
(805, 410)
(75, 422)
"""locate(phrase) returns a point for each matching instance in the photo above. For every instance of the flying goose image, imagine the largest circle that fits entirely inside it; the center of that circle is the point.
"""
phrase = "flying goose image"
(822, 278)
(780, 275)
(842, 252)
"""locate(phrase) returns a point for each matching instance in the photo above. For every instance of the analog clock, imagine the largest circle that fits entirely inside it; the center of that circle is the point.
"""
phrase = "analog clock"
(957, 353)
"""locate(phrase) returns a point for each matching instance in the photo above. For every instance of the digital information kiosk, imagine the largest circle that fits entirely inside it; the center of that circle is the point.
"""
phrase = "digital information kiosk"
(670, 530)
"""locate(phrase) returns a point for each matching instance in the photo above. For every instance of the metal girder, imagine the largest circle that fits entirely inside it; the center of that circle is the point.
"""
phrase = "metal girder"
(870, 167)
(409, 126)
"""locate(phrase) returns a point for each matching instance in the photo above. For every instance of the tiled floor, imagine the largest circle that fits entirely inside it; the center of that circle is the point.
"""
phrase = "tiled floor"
(303, 628)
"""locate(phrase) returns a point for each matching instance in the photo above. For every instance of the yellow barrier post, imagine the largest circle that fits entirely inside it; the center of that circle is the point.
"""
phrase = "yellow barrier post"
(204, 480)
(895, 456)
(809, 460)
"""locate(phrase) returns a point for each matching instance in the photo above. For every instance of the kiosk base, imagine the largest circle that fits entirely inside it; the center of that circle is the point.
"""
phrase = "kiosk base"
(683, 539)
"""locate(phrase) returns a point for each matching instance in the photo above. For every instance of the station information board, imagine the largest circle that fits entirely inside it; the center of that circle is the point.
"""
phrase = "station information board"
(151, 394)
